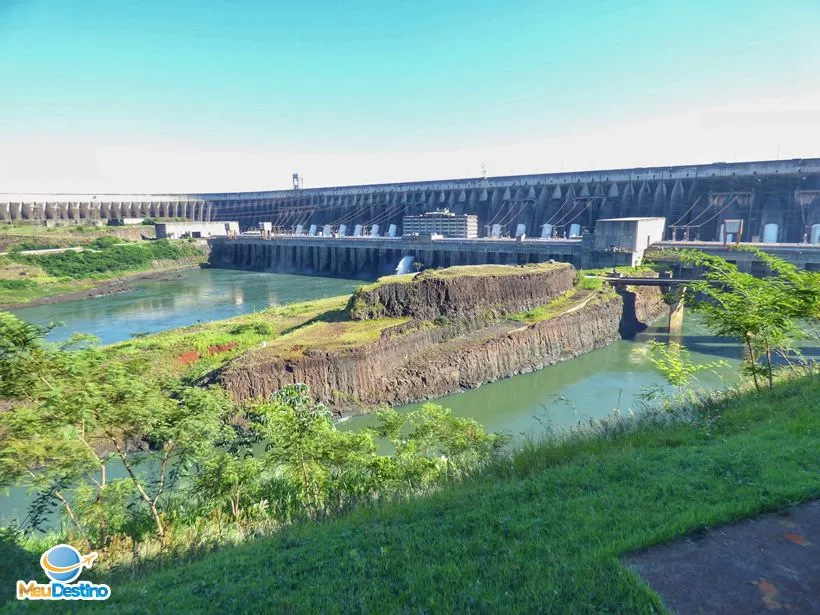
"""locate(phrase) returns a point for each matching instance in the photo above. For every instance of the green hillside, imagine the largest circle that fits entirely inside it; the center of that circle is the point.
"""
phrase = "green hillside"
(542, 532)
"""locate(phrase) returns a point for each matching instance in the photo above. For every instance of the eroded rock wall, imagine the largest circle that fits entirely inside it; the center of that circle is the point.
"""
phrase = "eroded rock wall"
(433, 361)
(428, 297)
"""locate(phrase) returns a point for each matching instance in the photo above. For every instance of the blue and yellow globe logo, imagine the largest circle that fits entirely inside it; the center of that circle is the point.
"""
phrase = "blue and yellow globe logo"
(64, 563)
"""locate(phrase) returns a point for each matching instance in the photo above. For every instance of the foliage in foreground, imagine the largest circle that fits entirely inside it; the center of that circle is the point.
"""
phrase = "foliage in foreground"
(539, 532)
(126, 455)
(765, 314)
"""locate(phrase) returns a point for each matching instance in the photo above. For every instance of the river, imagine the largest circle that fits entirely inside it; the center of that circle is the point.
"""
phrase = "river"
(179, 299)
(589, 386)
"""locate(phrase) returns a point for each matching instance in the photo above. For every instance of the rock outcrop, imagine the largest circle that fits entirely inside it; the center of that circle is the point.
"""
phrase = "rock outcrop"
(414, 362)
(428, 296)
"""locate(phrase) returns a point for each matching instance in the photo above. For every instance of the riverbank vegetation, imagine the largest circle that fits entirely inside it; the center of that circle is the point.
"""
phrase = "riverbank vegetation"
(25, 277)
(768, 315)
(192, 352)
(589, 290)
(30, 236)
(442, 518)
(291, 331)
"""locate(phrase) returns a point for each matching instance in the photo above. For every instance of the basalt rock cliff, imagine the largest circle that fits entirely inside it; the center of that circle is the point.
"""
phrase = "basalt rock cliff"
(418, 360)
(430, 295)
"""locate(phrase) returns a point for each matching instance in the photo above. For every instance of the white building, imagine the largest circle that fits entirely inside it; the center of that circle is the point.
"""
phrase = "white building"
(178, 230)
(632, 235)
(442, 222)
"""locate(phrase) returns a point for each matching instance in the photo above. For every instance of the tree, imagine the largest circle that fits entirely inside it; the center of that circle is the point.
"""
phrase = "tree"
(72, 411)
(75, 410)
(23, 359)
(804, 287)
(304, 446)
(761, 312)
(674, 362)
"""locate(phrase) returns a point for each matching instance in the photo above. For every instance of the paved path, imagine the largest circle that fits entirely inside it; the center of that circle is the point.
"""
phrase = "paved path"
(763, 565)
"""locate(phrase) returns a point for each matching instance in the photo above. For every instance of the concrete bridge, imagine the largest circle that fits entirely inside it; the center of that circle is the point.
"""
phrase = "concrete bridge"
(674, 289)
(778, 201)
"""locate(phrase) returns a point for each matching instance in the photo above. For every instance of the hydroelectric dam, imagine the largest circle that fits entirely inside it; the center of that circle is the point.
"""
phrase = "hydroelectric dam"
(777, 201)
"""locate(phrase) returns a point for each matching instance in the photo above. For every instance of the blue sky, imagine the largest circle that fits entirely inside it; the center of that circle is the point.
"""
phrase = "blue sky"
(233, 95)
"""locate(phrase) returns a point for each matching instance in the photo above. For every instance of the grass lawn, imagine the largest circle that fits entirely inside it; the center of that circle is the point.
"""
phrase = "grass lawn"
(330, 336)
(492, 270)
(36, 236)
(542, 532)
(570, 299)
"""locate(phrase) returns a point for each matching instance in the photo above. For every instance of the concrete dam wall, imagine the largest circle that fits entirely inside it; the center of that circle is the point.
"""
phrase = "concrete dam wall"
(779, 201)
(370, 258)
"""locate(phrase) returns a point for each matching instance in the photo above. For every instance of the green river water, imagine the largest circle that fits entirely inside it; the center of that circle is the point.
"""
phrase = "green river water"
(589, 386)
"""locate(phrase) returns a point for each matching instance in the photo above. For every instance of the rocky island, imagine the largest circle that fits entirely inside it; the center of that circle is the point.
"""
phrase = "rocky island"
(420, 336)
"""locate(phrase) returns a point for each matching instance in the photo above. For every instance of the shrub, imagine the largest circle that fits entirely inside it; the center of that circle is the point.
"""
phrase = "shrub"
(109, 258)
(16, 284)
(101, 243)
(260, 328)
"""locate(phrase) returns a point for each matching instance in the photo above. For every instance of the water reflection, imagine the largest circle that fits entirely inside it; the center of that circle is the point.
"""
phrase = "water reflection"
(589, 386)
(181, 299)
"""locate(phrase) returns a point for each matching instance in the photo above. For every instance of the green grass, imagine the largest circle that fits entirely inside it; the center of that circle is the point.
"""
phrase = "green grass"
(35, 236)
(491, 270)
(167, 350)
(18, 228)
(626, 270)
(540, 533)
(570, 299)
(108, 257)
(465, 270)
(330, 335)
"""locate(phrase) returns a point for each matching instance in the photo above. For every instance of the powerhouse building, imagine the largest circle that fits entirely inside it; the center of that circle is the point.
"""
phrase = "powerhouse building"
(445, 222)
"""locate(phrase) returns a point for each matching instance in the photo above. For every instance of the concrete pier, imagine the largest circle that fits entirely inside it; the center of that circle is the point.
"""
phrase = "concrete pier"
(370, 257)
(373, 257)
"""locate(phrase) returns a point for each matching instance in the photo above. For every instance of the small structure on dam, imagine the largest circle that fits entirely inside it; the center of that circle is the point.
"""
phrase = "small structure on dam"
(444, 223)
(204, 230)
(631, 236)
